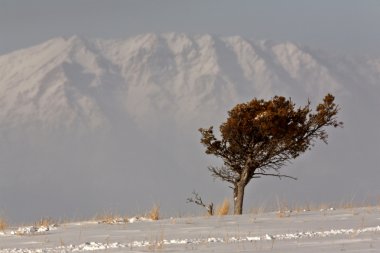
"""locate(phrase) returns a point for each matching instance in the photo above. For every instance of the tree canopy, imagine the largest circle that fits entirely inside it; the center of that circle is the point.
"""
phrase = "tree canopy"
(259, 137)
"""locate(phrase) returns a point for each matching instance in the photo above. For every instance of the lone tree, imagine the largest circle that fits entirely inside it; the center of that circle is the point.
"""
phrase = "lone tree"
(259, 137)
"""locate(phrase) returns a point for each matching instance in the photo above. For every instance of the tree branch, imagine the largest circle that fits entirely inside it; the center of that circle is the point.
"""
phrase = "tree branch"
(274, 175)
(223, 173)
(198, 201)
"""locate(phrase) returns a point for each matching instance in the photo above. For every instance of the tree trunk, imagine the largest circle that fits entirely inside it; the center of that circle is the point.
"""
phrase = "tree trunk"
(239, 187)
(238, 198)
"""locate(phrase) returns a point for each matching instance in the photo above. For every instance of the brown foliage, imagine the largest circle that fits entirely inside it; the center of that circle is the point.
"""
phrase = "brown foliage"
(260, 136)
(3, 224)
(154, 214)
(224, 208)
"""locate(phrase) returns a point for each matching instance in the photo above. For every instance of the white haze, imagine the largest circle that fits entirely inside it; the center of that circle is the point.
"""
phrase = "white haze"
(91, 126)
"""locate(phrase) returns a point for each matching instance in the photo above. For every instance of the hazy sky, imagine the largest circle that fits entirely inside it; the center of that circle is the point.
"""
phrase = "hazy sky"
(339, 25)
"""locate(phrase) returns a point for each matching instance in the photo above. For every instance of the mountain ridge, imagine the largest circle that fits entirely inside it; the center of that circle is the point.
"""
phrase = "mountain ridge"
(79, 82)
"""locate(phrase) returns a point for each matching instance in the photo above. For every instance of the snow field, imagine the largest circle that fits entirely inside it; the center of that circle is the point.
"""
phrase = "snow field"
(296, 233)
(91, 246)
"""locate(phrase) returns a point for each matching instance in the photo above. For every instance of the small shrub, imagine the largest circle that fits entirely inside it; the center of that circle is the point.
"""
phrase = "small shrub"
(3, 224)
(196, 199)
(224, 208)
(154, 213)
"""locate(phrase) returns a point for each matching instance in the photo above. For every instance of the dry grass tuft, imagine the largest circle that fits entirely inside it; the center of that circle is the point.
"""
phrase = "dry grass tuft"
(347, 205)
(154, 213)
(258, 210)
(110, 218)
(158, 243)
(45, 222)
(224, 208)
(3, 224)
(283, 209)
(283, 214)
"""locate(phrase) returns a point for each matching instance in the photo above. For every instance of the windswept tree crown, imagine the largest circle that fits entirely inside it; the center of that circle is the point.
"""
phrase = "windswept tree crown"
(262, 135)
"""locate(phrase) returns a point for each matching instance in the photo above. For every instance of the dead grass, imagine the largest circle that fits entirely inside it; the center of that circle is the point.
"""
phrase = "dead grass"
(283, 209)
(3, 224)
(154, 213)
(158, 243)
(45, 222)
(347, 205)
(302, 208)
(110, 218)
(224, 208)
(259, 210)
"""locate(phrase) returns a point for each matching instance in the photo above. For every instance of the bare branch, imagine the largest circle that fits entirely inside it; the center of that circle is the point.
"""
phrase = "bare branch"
(224, 173)
(198, 201)
(280, 176)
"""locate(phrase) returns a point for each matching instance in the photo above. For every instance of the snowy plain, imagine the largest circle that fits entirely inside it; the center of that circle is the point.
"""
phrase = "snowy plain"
(328, 230)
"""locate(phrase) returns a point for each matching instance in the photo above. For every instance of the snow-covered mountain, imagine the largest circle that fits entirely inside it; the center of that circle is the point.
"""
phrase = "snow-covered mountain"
(78, 83)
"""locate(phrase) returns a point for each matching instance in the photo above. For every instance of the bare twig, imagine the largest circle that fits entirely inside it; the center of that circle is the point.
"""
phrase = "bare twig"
(196, 199)
(274, 175)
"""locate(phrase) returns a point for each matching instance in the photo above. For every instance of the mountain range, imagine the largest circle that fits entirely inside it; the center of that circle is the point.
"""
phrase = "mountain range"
(80, 84)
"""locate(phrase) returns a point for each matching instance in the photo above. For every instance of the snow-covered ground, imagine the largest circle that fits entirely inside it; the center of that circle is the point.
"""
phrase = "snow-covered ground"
(348, 230)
